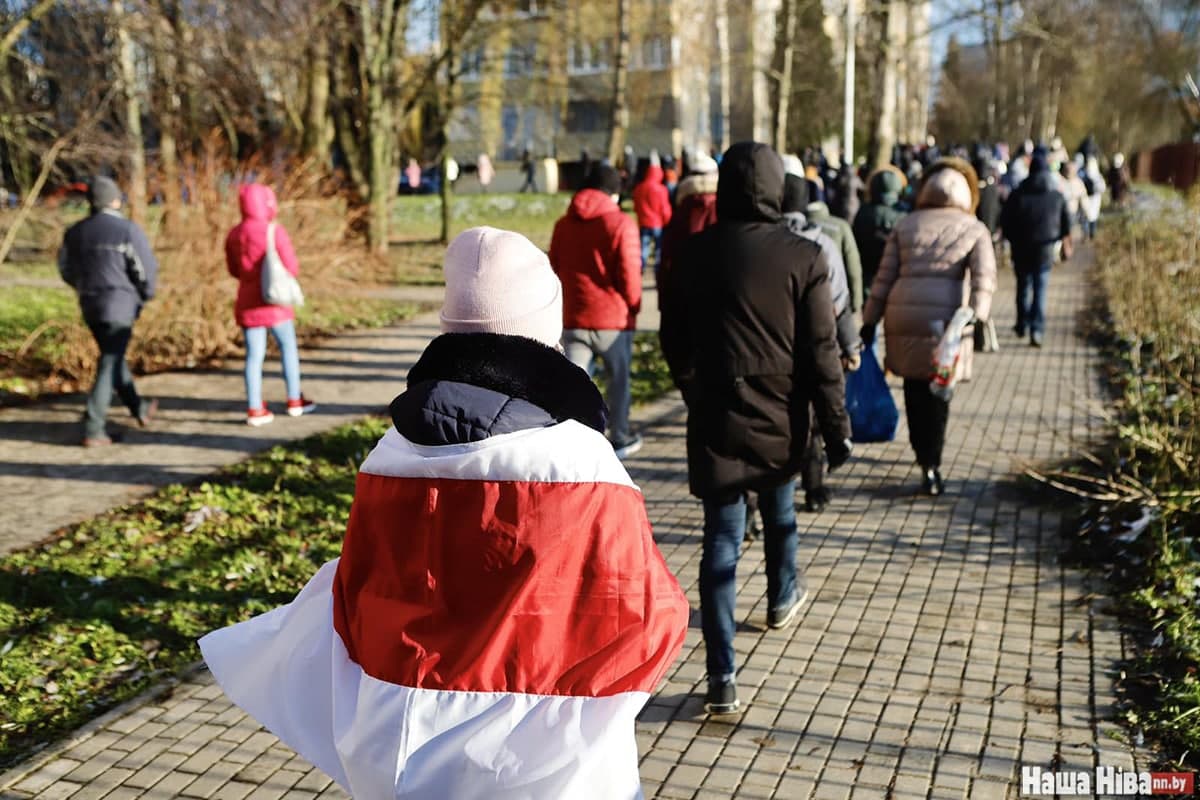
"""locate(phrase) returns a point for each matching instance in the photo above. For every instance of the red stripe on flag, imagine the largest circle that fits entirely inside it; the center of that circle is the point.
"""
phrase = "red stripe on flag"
(538, 588)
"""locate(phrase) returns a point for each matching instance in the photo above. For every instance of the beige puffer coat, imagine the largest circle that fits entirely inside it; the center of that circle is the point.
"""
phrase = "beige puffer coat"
(937, 259)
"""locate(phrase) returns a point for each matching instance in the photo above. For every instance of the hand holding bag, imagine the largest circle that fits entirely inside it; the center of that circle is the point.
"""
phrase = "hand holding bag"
(279, 287)
(873, 412)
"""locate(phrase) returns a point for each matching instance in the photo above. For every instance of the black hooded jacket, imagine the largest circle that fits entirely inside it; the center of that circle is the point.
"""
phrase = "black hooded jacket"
(748, 332)
(1034, 219)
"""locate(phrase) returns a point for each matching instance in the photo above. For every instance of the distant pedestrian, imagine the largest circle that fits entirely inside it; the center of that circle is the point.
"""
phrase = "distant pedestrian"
(450, 166)
(107, 260)
(484, 171)
(843, 236)
(529, 170)
(412, 176)
(795, 200)
(1073, 191)
(1118, 180)
(749, 336)
(989, 195)
(1034, 220)
(695, 209)
(878, 216)
(937, 256)
(499, 613)
(245, 251)
(594, 251)
(652, 204)
(847, 199)
(1093, 181)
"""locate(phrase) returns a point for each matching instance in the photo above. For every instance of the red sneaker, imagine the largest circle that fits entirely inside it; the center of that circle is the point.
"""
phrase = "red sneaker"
(259, 416)
(301, 405)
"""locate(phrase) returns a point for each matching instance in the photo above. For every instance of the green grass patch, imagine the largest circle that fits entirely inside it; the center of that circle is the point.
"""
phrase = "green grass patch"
(1144, 525)
(328, 315)
(94, 617)
(28, 317)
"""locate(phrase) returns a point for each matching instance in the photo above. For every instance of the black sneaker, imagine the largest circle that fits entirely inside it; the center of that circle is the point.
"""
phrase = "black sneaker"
(815, 500)
(722, 698)
(932, 482)
(783, 617)
(624, 448)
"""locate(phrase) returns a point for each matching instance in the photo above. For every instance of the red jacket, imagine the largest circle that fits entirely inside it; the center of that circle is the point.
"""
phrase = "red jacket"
(245, 248)
(596, 253)
(652, 201)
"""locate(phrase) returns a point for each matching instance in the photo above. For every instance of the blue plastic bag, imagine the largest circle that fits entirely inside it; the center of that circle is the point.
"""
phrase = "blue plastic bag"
(873, 412)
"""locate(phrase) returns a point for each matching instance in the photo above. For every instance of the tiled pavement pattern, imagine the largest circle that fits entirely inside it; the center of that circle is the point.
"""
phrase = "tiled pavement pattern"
(943, 647)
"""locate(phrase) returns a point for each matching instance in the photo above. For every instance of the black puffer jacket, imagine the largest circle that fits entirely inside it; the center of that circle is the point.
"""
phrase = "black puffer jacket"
(748, 331)
(1034, 219)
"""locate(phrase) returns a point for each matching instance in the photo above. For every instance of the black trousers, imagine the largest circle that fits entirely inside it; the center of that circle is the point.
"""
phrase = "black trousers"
(111, 373)
(927, 416)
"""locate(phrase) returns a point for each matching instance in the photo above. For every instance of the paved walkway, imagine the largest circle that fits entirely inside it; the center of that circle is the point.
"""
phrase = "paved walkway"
(944, 645)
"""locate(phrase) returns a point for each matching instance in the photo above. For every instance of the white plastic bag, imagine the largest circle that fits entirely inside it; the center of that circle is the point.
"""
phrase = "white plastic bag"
(947, 354)
(279, 287)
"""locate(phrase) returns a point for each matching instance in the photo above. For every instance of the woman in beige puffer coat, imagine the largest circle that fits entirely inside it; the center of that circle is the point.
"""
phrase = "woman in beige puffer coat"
(937, 259)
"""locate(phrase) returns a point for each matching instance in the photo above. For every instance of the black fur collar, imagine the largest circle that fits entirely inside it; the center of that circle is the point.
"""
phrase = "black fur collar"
(517, 367)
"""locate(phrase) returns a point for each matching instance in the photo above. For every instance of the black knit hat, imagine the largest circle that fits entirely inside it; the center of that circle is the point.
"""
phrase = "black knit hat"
(102, 192)
(605, 178)
(795, 193)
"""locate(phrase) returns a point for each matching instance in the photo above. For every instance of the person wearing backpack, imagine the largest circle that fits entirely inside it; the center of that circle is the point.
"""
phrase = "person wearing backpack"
(246, 249)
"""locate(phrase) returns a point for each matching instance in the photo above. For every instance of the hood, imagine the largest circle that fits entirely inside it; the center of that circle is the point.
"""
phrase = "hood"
(885, 185)
(1039, 182)
(591, 204)
(750, 188)
(945, 191)
(795, 193)
(258, 202)
(700, 183)
(654, 174)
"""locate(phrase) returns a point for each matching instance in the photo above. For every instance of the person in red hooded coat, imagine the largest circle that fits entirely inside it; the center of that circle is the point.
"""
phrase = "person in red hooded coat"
(245, 249)
(652, 204)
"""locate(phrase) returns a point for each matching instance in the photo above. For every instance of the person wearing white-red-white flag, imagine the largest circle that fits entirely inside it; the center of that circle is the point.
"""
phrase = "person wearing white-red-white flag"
(500, 612)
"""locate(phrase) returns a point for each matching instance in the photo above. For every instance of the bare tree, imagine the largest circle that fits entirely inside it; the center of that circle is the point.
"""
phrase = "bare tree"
(619, 123)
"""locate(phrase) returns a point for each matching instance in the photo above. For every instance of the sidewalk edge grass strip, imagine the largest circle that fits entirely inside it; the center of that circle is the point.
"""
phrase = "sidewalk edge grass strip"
(1145, 534)
(114, 605)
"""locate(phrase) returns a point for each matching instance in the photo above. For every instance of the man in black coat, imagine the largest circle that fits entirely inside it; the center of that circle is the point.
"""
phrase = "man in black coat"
(107, 260)
(748, 332)
(1034, 220)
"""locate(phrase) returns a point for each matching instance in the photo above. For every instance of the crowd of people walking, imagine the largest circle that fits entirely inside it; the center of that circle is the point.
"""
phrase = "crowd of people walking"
(526, 576)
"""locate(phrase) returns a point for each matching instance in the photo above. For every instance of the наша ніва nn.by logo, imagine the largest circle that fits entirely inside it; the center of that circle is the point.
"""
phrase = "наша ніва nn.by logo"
(1104, 781)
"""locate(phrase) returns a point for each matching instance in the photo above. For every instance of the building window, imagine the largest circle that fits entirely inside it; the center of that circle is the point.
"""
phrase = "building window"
(472, 63)
(532, 8)
(584, 116)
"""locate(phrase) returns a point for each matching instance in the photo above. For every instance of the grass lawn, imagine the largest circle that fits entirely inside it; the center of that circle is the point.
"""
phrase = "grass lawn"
(116, 603)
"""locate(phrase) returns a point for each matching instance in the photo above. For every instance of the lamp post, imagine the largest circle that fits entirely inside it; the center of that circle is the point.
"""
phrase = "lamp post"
(848, 105)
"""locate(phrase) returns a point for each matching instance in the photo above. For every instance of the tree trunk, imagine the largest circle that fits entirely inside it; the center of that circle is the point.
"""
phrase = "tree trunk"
(787, 16)
(166, 70)
(315, 143)
(995, 118)
(619, 123)
(132, 107)
(379, 166)
(885, 125)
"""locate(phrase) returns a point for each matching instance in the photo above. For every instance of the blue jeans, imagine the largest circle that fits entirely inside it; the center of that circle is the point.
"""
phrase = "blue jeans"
(649, 236)
(724, 527)
(615, 351)
(256, 354)
(1031, 313)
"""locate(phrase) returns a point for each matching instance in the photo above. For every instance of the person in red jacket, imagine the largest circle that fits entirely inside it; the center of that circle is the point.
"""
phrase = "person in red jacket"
(695, 210)
(652, 203)
(245, 249)
(594, 252)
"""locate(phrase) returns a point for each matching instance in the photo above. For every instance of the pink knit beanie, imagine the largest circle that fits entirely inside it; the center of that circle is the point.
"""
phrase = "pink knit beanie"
(499, 282)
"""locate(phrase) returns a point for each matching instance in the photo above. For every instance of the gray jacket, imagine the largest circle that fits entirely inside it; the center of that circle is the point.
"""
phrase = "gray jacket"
(107, 260)
(839, 286)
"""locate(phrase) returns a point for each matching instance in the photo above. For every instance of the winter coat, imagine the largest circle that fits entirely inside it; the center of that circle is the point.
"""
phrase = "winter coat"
(107, 260)
(695, 210)
(499, 613)
(1034, 219)
(989, 205)
(874, 222)
(939, 258)
(245, 249)
(652, 200)
(843, 236)
(839, 288)
(597, 254)
(748, 333)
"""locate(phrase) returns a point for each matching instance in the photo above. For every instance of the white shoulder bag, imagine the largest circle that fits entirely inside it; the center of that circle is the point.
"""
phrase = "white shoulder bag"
(279, 287)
